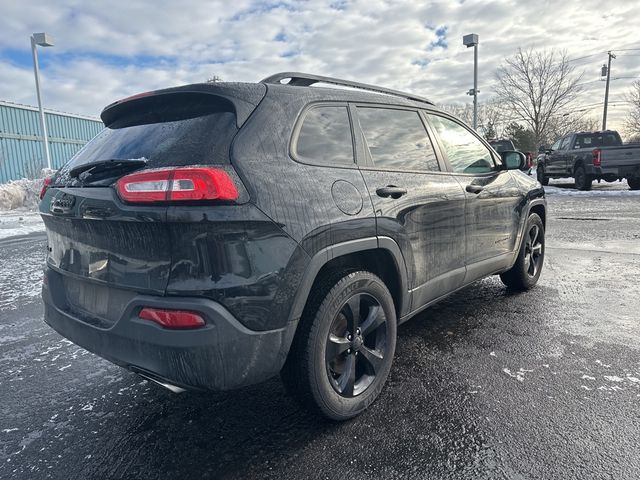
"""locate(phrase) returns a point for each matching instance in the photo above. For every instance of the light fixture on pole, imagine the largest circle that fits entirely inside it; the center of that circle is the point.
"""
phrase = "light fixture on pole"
(43, 40)
(471, 40)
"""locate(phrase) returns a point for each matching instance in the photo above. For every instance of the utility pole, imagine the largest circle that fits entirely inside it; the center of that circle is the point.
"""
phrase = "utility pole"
(606, 70)
(471, 40)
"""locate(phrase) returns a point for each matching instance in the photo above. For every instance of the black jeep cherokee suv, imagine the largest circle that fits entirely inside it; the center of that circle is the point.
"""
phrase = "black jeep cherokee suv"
(214, 235)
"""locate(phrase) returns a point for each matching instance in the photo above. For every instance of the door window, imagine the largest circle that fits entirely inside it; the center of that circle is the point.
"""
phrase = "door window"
(397, 139)
(565, 143)
(325, 136)
(466, 153)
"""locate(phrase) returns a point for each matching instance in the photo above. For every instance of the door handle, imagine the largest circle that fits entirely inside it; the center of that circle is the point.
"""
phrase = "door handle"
(474, 189)
(391, 191)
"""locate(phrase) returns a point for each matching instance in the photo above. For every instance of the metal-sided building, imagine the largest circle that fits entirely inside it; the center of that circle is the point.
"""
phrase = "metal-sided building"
(20, 139)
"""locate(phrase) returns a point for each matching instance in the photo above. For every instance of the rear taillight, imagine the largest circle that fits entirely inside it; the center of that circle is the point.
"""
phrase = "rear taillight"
(45, 186)
(177, 185)
(177, 319)
(597, 157)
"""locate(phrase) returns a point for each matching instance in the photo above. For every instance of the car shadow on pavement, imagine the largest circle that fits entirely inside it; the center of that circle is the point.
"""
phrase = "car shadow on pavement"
(426, 420)
(259, 430)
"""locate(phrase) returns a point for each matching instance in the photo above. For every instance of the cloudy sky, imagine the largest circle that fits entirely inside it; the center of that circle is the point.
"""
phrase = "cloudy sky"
(108, 50)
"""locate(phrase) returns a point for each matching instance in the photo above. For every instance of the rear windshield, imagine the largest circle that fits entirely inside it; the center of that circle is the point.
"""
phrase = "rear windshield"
(608, 139)
(163, 137)
(502, 145)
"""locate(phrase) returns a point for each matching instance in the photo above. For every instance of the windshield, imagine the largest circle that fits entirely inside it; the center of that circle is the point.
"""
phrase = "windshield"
(502, 145)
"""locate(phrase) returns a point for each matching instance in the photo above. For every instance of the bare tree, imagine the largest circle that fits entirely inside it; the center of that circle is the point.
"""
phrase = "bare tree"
(536, 85)
(563, 124)
(490, 113)
(632, 122)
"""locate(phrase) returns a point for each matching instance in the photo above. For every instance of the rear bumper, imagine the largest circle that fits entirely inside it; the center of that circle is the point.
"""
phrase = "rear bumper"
(219, 356)
(617, 172)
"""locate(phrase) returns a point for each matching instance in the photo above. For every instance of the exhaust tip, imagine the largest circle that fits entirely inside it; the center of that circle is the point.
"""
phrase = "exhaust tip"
(157, 381)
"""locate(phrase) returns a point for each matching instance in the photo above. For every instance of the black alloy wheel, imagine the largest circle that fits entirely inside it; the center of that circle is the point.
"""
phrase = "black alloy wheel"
(544, 180)
(526, 270)
(533, 251)
(343, 348)
(356, 345)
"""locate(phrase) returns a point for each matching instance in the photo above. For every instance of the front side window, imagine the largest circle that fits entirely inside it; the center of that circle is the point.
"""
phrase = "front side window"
(397, 139)
(466, 153)
(565, 143)
(325, 136)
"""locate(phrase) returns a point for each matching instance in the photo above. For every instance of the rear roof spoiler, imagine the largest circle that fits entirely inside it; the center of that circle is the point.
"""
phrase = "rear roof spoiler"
(244, 97)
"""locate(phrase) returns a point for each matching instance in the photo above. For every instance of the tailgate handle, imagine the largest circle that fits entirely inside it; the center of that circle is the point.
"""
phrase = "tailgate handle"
(391, 191)
(474, 189)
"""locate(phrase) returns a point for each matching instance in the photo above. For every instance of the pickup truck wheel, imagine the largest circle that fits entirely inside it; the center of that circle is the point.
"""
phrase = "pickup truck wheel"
(582, 180)
(343, 349)
(526, 271)
(634, 183)
(542, 178)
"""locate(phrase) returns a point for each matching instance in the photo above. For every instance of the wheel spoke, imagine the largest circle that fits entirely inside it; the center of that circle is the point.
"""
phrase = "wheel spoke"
(533, 267)
(537, 249)
(373, 358)
(375, 318)
(533, 234)
(336, 346)
(527, 261)
(353, 321)
(348, 378)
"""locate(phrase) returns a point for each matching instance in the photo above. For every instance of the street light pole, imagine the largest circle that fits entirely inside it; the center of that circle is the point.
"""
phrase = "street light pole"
(471, 40)
(44, 40)
(606, 90)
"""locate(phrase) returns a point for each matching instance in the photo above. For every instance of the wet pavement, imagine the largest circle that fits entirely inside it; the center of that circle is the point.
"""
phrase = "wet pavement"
(487, 384)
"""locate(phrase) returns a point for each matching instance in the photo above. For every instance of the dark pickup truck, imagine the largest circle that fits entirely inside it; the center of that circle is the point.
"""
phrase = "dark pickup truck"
(589, 156)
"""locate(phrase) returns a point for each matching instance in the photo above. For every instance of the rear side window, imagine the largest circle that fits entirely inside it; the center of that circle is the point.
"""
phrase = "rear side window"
(397, 139)
(325, 136)
(466, 153)
(175, 131)
(608, 139)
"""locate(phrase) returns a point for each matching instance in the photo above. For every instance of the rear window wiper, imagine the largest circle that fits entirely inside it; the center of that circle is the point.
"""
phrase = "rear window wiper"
(102, 166)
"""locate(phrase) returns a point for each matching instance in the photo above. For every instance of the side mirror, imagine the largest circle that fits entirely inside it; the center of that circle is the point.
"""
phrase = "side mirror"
(543, 149)
(514, 160)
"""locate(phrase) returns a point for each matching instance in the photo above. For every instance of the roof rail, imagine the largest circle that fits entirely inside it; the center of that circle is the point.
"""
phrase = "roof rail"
(298, 79)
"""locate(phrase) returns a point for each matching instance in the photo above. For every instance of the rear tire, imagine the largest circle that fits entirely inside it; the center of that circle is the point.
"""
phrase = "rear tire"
(526, 271)
(542, 178)
(344, 346)
(582, 180)
(634, 183)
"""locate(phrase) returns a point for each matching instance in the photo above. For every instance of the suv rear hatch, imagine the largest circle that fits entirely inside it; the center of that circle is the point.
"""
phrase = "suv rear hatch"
(102, 249)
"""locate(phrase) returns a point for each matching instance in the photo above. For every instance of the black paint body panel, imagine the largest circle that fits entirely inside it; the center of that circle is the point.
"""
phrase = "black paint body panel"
(250, 265)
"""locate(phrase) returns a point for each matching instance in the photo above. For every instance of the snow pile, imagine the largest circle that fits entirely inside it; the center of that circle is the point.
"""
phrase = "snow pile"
(22, 194)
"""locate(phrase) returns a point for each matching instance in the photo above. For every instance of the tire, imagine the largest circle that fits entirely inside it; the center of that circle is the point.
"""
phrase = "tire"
(544, 180)
(634, 183)
(582, 180)
(334, 371)
(526, 271)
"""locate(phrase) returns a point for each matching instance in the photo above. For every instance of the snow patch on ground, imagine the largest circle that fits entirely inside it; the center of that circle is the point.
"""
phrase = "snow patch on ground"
(15, 223)
(570, 192)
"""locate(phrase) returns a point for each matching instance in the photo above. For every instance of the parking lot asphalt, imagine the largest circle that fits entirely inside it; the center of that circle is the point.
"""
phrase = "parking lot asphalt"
(486, 384)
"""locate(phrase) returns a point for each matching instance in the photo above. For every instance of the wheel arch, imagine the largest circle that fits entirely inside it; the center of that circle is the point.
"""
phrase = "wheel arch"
(379, 255)
(576, 163)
